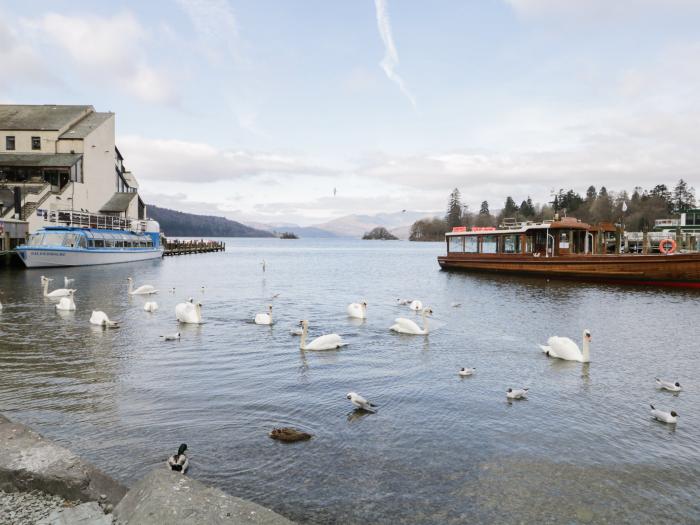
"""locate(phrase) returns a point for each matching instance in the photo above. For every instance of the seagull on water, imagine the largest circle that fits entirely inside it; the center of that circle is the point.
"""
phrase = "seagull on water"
(360, 402)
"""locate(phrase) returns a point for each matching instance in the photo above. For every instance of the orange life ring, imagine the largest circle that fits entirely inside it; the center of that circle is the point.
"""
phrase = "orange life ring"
(667, 251)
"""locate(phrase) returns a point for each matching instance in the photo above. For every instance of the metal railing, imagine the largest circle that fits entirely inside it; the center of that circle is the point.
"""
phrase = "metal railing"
(81, 219)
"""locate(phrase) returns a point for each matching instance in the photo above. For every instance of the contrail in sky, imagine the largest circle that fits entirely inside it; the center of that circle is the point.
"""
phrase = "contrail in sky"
(391, 57)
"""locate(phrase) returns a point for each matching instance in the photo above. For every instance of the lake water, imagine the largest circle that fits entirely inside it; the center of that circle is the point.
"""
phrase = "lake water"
(440, 449)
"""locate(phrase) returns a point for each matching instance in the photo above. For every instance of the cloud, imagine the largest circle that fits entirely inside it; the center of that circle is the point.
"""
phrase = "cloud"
(107, 49)
(391, 57)
(182, 161)
(19, 63)
(596, 8)
(216, 26)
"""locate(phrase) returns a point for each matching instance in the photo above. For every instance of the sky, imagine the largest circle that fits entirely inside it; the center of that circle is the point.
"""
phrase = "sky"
(259, 109)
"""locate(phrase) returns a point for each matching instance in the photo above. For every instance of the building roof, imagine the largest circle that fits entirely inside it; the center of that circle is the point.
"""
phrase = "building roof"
(40, 118)
(86, 125)
(118, 203)
(39, 160)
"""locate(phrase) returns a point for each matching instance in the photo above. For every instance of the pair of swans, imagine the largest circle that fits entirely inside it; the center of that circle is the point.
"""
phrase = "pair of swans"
(264, 318)
(358, 310)
(324, 342)
(564, 348)
(144, 289)
(189, 312)
(59, 292)
(100, 318)
(408, 326)
(66, 304)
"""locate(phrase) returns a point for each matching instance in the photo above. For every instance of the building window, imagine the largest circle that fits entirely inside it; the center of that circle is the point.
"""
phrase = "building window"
(36, 142)
(9, 142)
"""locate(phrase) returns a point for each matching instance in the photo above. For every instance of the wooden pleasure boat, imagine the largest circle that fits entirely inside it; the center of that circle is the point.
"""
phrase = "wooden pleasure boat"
(567, 248)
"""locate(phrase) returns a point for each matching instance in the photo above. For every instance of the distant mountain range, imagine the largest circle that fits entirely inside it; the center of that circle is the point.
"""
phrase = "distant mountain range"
(398, 223)
(179, 224)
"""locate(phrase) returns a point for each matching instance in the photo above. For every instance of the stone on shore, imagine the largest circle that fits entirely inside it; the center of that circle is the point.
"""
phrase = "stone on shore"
(85, 514)
(168, 497)
(31, 462)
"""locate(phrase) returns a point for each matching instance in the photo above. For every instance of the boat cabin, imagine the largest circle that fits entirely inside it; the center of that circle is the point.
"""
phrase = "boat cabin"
(86, 238)
(562, 236)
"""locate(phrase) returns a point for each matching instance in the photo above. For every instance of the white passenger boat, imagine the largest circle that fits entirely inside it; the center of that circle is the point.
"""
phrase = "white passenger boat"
(82, 246)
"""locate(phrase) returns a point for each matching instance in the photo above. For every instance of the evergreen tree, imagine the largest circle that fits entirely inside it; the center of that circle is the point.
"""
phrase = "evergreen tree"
(591, 194)
(454, 210)
(484, 210)
(683, 197)
(510, 209)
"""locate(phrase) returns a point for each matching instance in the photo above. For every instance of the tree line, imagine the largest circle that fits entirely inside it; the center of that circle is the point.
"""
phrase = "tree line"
(637, 211)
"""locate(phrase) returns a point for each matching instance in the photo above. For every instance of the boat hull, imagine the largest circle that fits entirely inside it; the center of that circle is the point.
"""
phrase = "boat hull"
(52, 257)
(659, 270)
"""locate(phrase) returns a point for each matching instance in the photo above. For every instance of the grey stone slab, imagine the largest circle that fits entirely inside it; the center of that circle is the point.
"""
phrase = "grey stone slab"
(84, 514)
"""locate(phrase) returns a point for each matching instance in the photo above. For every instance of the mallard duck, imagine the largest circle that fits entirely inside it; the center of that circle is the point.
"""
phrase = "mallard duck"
(179, 462)
(289, 435)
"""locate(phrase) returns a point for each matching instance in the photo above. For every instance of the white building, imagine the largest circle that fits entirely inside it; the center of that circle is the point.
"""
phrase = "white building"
(62, 158)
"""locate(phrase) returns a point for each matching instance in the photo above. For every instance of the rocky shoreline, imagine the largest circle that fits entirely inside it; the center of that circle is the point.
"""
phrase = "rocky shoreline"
(43, 483)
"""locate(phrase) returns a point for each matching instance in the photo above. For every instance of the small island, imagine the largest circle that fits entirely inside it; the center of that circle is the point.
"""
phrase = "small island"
(379, 234)
(288, 235)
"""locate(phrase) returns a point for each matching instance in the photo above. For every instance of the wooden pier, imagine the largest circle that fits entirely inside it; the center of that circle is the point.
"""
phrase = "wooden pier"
(177, 247)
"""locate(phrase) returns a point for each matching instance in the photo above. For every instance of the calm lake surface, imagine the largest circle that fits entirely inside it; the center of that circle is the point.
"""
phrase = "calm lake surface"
(440, 449)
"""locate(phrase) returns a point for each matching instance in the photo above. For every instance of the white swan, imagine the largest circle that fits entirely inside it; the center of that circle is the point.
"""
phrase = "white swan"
(671, 386)
(59, 292)
(324, 342)
(565, 348)
(144, 289)
(66, 303)
(264, 318)
(150, 306)
(517, 393)
(407, 326)
(67, 281)
(464, 372)
(358, 310)
(663, 416)
(189, 312)
(416, 305)
(100, 318)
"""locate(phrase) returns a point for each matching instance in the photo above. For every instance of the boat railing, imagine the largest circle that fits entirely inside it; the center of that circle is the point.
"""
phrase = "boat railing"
(80, 219)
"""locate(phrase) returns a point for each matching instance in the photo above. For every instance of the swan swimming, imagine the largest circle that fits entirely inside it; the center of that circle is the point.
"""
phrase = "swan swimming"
(324, 342)
(189, 312)
(668, 385)
(464, 372)
(663, 416)
(264, 318)
(59, 292)
(360, 402)
(150, 306)
(408, 326)
(517, 393)
(171, 337)
(358, 310)
(100, 318)
(416, 305)
(404, 302)
(66, 303)
(144, 289)
(179, 462)
(565, 348)
(67, 281)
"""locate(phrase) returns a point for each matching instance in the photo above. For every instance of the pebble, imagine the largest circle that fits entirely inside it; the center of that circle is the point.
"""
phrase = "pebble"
(22, 508)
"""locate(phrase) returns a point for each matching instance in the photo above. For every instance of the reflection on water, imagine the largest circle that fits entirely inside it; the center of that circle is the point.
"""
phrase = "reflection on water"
(440, 449)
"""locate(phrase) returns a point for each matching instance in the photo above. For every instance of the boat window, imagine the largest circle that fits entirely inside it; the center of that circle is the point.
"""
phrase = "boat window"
(489, 244)
(99, 243)
(564, 240)
(511, 244)
(456, 244)
(70, 240)
(36, 239)
(470, 244)
(52, 239)
(82, 241)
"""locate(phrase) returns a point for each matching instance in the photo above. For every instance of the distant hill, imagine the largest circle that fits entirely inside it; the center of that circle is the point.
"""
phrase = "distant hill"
(178, 224)
(398, 223)
(300, 231)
